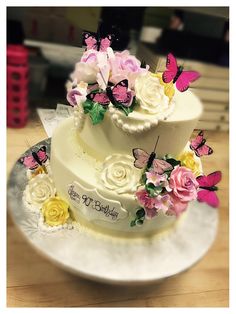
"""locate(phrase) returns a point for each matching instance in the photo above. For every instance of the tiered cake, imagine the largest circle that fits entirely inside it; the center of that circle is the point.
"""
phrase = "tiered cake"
(122, 165)
(93, 164)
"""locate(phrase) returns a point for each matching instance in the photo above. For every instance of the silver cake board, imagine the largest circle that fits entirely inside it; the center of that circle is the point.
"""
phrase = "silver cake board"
(110, 259)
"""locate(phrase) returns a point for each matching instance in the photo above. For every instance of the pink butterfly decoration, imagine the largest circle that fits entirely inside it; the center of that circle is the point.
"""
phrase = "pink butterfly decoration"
(92, 42)
(199, 147)
(101, 98)
(119, 93)
(208, 186)
(31, 163)
(141, 160)
(181, 78)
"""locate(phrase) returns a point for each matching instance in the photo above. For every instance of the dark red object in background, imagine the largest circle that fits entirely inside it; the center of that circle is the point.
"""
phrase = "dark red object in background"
(17, 86)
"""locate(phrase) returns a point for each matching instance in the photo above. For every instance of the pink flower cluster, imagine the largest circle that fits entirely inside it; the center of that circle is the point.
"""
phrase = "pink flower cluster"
(180, 189)
(114, 67)
(125, 66)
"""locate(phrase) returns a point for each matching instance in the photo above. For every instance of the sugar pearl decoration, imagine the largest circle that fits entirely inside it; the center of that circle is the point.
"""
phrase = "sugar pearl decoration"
(132, 126)
(79, 117)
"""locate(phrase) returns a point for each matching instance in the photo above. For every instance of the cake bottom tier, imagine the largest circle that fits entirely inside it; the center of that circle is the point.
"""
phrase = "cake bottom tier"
(77, 179)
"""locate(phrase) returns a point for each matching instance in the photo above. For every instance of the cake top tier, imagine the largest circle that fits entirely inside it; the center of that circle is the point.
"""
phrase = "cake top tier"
(118, 82)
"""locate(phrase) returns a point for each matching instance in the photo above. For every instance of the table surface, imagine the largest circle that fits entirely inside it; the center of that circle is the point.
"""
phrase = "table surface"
(33, 281)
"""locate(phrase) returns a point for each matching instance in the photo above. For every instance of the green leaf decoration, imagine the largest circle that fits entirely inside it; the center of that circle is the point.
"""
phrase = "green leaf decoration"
(173, 162)
(139, 222)
(133, 223)
(151, 189)
(91, 84)
(87, 105)
(139, 218)
(140, 213)
(95, 91)
(143, 178)
(158, 189)
(97, 113)
(126, 110)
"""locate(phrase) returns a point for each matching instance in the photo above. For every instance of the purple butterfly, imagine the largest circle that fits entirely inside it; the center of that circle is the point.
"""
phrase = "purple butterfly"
(119, 94)
(142, 159)
(96, 43)
(208, 186)
(199, 147)
(180, 78)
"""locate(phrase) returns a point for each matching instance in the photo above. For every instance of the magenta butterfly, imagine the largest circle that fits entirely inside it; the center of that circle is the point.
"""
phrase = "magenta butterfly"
(35, 159)
(142, 158)
(100, 44)
(119, 94)
(180, 78)
(208, 186)
(199, 147)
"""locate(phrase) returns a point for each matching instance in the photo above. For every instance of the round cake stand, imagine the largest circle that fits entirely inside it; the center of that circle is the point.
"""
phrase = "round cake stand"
(115, 260)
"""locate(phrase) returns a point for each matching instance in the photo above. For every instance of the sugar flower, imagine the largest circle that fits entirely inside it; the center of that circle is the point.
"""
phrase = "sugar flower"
(183, 184)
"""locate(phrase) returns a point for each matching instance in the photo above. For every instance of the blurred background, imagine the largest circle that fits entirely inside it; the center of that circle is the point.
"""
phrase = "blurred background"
(49, 41)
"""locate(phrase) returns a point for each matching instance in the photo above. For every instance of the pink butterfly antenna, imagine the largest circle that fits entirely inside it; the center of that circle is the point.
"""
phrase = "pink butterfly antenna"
(153, 154)
(35, 156)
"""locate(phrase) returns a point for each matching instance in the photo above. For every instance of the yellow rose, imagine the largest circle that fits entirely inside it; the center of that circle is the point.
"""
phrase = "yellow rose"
(37, 171)
(190, 160)
(55, 211)
(169, 89)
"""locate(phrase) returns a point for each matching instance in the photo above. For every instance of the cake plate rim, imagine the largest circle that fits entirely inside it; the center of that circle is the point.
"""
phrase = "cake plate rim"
(118, 260)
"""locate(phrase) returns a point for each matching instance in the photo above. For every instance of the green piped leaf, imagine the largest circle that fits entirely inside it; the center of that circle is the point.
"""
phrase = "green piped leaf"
(133, 223)
(97, 113)
(126, 110)
(139, 218)
(87, 105)
(173, 162)
(140, 213)
(151, 189)
(95, 110)
(143, 178)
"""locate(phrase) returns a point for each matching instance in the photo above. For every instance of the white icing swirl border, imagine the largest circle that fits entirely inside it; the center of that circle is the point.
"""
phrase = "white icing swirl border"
(134, 126)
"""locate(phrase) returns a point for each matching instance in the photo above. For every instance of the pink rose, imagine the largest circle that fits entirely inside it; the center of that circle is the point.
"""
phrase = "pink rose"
(88, 68)
(183, 184)
(125, 66)
(177, 207)
(71, 96)
(128, 62)
(89, 56)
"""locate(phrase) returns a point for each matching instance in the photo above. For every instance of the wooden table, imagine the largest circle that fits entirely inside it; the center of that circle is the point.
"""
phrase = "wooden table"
(33, 281)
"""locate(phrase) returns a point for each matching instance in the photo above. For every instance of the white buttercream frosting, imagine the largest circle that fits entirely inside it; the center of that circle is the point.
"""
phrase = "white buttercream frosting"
(119, 174)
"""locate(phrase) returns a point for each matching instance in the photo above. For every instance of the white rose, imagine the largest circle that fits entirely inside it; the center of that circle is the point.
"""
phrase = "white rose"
(86, 72)
(38, 190)
(119, 174)
(150, 94)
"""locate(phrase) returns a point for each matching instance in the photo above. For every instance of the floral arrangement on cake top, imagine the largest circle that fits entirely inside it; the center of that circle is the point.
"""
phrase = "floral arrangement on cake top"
(105, 78)
(168, 185)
